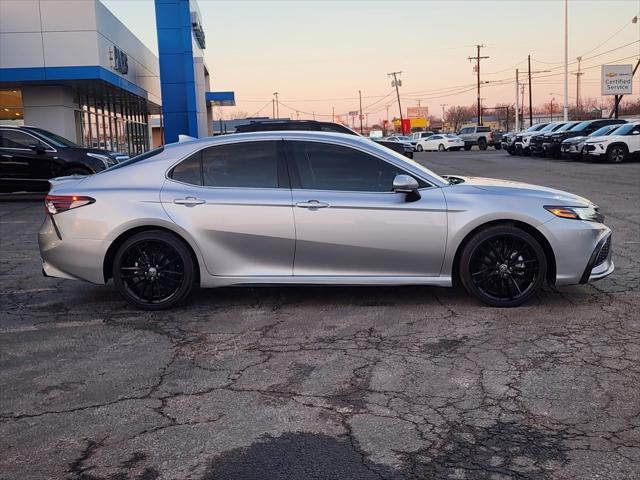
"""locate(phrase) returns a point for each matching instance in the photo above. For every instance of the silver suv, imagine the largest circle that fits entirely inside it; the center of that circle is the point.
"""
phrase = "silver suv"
(480, 136)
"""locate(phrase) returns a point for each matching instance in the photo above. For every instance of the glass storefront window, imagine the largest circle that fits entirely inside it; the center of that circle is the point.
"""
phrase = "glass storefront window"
(11, 111)
(114, 120)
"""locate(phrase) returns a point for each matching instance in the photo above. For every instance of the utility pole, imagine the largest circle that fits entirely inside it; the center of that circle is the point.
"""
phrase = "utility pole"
(275, 94)
(477, 58)
(360, 96)
(578, 74)
(530, 102)
(522, 103)
(551, 109)
(443, 105)
(566, 61)
(273, 108)
(333, 114)
(517, 105)
(397, 83)
(297, 114)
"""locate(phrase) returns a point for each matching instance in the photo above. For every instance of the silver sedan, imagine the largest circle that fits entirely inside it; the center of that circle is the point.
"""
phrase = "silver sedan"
(312, 208)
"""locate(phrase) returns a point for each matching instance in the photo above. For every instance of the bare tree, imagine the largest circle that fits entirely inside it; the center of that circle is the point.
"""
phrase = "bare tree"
(457, 115)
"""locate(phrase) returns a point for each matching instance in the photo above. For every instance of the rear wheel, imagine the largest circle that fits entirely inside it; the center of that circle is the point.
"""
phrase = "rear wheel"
(441, 148)
(419, 148)
(503, 266)
(154, 270)
(482, 144)
(617, 154)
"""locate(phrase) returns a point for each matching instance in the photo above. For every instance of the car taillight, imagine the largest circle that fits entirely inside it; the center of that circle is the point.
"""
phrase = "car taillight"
(61, 203)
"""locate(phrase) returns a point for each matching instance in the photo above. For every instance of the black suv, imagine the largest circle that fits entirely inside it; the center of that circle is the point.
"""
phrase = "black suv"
(404, 148)
(30, 156)
(581, 129)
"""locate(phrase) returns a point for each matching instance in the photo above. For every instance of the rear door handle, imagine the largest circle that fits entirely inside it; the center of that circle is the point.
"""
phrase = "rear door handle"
(189, 201)
(313, 204)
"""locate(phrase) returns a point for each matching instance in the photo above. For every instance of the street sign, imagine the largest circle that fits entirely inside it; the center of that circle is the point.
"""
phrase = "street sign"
(617, 79)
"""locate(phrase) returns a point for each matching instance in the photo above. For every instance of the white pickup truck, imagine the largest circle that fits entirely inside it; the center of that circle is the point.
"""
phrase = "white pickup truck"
(480, 136)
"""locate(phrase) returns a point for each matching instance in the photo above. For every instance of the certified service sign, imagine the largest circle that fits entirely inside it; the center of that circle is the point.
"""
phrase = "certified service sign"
(617, 79)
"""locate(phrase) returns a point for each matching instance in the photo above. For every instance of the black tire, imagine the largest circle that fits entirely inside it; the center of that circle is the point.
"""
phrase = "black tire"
(502, 266)
(441, 148)
(482, 144)
(419, 148)
(498, 146)
(617, 154)
(467, 147)
(511, 151)
(140, 263)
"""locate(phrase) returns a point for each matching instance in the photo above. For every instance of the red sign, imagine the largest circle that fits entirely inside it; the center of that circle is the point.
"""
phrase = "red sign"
(406, 126)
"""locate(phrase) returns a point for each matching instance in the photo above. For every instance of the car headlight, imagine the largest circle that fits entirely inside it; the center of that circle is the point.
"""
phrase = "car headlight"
(106, 159)
(589, 213)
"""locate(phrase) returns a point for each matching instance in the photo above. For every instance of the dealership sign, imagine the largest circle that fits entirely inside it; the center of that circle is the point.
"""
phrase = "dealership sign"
(119, 61)
(617, 79)
(198, 31)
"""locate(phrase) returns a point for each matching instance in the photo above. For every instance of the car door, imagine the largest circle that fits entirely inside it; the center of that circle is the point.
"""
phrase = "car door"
(633, 140)
(350, 223)
(25, 164)
(433, 142)
(235, 201)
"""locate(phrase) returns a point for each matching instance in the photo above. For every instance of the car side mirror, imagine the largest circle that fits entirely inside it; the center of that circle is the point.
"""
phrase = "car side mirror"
(407, 184)
(37, 148)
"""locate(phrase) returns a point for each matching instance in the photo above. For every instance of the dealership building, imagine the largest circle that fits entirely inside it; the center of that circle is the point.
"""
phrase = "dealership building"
(71, 67)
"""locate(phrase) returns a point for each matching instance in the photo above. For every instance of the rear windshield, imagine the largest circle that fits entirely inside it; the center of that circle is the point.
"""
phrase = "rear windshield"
(136, 159)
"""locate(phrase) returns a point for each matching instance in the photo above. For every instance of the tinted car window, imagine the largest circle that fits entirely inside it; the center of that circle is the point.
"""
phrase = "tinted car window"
(332, 167)
(189, 170)
(436, 137)
(244, 165)
(484, 129)
(17, 139)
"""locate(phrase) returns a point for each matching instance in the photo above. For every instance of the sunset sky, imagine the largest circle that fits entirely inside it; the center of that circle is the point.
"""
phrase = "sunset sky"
(318, 54)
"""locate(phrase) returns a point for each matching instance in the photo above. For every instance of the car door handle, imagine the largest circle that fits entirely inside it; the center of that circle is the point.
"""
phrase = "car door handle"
(313, 204)
(189, 201)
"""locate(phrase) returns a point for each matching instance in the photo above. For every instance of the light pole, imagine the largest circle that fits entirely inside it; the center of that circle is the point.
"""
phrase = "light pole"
(275, 94)
(397, 83)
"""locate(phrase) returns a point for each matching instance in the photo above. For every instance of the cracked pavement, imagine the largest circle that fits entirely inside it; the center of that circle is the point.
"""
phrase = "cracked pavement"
(327, 383)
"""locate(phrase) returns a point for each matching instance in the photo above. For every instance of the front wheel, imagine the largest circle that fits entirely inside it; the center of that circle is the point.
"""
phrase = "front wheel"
(419, 148)
(482, 144)
(441, 148)
(503, 266)
(154, 270)
(617, 154)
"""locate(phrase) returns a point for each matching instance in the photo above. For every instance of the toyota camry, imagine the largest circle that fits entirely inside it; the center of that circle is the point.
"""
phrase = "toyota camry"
(312, 208)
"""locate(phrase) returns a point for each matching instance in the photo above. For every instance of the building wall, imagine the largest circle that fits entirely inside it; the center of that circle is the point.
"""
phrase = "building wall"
(182, 70)
(71, 39)
(52, 108)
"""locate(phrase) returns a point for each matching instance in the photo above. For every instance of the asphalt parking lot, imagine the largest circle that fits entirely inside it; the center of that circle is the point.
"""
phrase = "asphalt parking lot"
(327, 383)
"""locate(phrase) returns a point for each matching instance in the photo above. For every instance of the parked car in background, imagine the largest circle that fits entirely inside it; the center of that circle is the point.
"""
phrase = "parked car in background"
(540, 142)
(496, 139)
(522, 139)
(572, 148)
(30, 156)
(480, 136)
(508, 141)
(440, 142)
(397, 145)
(415, 136)
(301, 208)
(399, 138)
(620, 145)
(587, 127)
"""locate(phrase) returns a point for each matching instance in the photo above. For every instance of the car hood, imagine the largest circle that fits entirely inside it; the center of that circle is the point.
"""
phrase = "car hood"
(511, 188)
(579, 139)
(604, 138)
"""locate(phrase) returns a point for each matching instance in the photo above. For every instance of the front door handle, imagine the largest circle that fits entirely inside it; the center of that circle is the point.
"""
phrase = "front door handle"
(189, 201)
(312, 204)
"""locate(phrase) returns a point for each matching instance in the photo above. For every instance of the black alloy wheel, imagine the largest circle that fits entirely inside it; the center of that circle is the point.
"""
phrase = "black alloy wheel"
(154, 270)
(617, 154)
(441, 148)
(503, 266)
(482, 144)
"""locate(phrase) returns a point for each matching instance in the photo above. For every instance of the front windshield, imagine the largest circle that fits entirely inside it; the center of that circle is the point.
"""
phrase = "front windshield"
(549, 128)
(566, 127)
(581, 126)
(451, 135)
(57, 140)
(624, 129)
(604, 130)
(535, 128)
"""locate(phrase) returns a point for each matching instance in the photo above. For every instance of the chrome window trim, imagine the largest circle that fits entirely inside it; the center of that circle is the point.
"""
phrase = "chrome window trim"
(50, 149)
